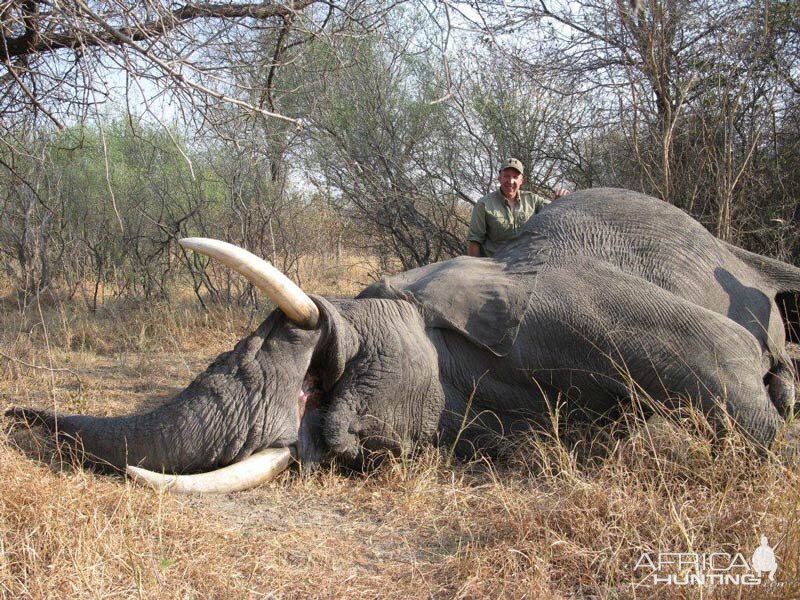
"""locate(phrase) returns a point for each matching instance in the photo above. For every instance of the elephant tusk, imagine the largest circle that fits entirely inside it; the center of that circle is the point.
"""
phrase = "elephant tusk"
(293, 301)
(254, 470)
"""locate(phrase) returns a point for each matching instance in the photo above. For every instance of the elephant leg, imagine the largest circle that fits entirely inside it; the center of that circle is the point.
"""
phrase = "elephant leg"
(670, 350)
(724, 375)
(723, 378)
(750, 407)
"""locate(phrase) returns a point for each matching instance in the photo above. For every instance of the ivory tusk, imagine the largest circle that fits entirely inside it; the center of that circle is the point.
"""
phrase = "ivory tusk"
(292, 300)
(254, 470)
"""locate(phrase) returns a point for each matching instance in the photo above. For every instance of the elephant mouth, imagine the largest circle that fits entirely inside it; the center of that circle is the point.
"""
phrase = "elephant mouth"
(310, 447)
(309, 398)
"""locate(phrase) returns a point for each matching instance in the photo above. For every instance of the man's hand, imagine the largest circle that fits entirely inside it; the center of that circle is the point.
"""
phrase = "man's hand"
(561, 192)
(474, 249)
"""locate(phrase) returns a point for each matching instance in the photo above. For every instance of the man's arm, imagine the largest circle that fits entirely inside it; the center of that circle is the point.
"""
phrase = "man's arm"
(477, 229)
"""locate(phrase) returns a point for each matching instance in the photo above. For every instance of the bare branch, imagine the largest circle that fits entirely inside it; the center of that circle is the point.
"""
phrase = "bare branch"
(36, 41)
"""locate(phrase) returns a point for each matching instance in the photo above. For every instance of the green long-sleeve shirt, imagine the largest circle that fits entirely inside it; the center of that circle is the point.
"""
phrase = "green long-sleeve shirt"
(493, 222)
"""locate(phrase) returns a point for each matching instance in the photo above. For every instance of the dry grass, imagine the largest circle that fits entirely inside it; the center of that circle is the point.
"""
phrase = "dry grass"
(550, 521)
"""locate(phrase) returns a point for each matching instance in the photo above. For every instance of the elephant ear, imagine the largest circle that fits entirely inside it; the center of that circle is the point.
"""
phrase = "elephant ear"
(478, 297)
(340, 343)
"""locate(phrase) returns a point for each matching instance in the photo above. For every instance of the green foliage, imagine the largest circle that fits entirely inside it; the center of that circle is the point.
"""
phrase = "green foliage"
(381, 141)
(118, 195)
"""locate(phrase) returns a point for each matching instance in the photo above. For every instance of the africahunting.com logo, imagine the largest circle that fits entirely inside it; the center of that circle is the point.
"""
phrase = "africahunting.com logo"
(712, 568)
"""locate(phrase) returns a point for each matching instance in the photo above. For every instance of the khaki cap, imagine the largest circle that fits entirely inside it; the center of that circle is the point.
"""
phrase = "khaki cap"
(513, 163)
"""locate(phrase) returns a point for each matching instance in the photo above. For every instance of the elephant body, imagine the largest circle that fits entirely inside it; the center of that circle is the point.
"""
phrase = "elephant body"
(606, 297)
(606, 293)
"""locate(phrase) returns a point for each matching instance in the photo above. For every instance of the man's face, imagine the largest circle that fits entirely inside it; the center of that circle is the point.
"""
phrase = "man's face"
(510, 182)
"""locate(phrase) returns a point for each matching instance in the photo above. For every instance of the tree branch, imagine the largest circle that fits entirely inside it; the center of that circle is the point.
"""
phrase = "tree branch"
(35, 41)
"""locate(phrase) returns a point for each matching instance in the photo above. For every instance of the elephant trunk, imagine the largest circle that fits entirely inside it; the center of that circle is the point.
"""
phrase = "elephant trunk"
(192, 433)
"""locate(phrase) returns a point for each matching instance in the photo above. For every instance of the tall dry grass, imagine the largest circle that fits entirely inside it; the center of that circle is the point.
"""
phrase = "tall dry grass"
(551, 520)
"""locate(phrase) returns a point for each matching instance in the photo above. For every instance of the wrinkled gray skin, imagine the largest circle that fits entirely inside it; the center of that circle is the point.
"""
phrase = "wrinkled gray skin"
(605, 291)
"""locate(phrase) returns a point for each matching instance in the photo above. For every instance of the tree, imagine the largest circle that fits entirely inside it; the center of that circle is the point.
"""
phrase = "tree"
(375, 136)
(691, 97)
(56, 55)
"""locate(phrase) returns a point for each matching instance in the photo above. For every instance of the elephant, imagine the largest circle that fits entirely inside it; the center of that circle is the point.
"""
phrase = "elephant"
(606, 296)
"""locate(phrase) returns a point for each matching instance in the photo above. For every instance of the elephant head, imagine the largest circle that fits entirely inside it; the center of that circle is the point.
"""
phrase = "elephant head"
(305, 383)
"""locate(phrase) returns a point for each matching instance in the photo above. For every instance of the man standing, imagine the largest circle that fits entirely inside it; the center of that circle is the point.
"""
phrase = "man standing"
(499, 215)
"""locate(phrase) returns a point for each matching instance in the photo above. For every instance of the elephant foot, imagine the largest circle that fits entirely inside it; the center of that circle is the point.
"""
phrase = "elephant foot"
(787, 445)
(781, 384)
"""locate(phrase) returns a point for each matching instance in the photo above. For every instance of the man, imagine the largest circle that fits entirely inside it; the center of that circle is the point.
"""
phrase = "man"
(498, 216)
